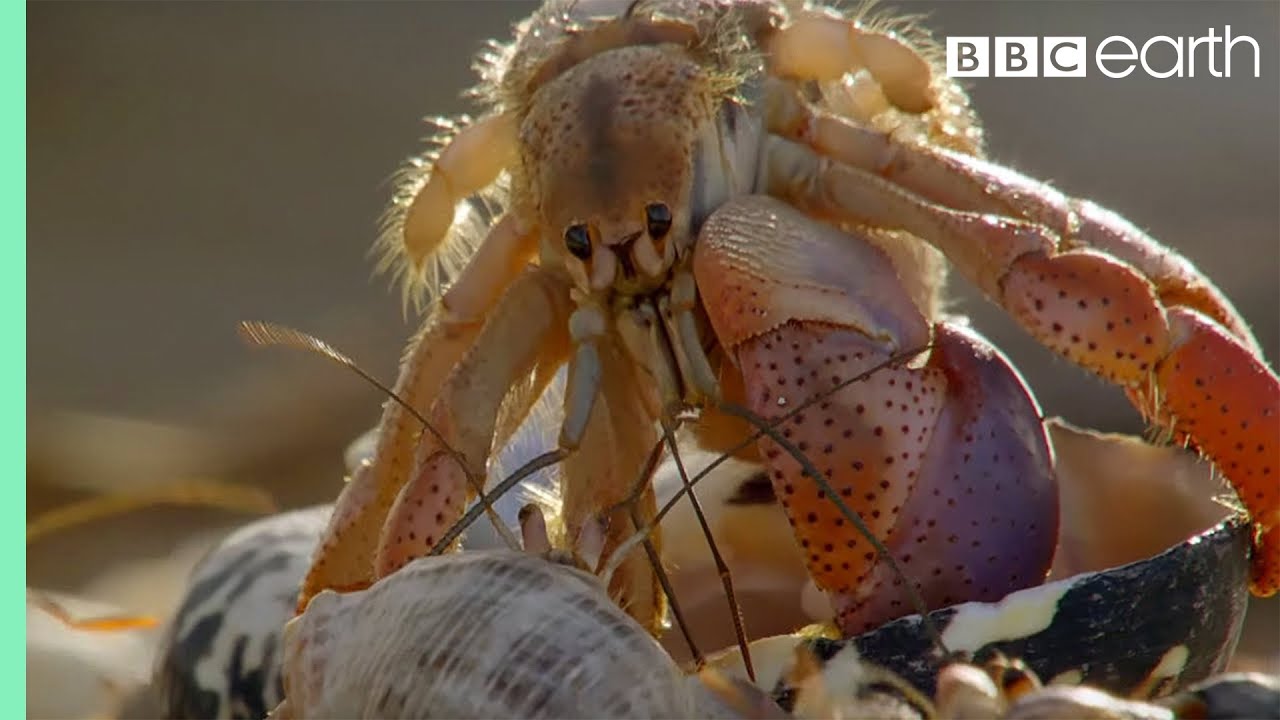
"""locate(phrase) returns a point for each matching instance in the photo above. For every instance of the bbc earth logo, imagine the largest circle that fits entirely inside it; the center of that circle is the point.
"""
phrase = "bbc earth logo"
(1115, 57)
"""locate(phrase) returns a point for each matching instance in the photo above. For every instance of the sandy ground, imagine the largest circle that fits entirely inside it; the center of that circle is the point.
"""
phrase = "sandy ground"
(195, 164)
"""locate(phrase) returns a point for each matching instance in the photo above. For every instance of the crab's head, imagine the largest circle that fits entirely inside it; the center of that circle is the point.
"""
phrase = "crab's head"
(616, 154)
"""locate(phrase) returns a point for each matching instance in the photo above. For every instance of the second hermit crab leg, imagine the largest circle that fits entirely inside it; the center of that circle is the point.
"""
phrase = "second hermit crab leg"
(345, 556)
(526, 330)
(599, 476)
(1172, 343)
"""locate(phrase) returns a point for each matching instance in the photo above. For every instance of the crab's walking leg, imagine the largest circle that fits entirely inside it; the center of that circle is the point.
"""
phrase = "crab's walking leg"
(959, 181)
(605, 426)
(611, 449)
(1094, 289)
(946, 462)
(525, 332)
(344, 558)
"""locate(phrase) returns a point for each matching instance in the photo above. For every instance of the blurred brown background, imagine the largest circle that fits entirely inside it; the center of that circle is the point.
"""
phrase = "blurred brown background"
(194, 164)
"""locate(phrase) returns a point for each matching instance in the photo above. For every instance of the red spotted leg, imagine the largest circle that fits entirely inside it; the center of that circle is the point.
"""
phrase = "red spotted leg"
(1080, 279)
(946, 461)
(525, 332)
(344, 559)
(605, 435)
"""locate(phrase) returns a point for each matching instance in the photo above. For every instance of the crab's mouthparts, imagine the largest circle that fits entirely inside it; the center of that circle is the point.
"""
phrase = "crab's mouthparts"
(664, 336)
(625, 263)
(670, 353)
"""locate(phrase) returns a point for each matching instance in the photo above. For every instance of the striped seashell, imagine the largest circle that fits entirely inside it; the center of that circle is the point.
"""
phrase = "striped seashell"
(480, 634)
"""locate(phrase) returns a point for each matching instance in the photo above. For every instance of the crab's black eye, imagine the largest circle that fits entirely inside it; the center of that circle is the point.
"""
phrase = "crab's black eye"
(578, 240)
(658, 217)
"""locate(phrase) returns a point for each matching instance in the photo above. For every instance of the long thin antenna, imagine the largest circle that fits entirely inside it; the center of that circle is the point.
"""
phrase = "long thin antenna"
(735, 610)
(655, 562)
(645, 480)
(641, 537)
(265, 334)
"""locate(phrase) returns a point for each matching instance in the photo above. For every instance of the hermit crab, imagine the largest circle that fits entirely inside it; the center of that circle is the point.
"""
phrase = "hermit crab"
(735, 218)
(1134, 616)
(727, 226)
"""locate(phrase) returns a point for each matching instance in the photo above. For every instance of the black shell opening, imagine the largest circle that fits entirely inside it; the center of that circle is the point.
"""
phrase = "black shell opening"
(1154, 625)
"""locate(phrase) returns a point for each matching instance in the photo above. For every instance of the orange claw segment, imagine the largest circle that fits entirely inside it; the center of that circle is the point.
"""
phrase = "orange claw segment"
(345, 556)
(426, 507)
(1177, 281)
(1095, 311)
(1225, 402)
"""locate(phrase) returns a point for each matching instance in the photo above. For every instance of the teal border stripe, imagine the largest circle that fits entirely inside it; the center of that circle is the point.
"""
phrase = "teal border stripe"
(13, 195)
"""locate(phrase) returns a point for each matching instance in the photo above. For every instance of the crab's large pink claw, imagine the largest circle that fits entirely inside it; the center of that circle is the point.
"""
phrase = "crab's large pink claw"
(946, 463)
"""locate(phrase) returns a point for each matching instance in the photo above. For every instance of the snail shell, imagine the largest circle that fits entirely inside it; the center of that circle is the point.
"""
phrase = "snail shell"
(484, 634)
(220, 654)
